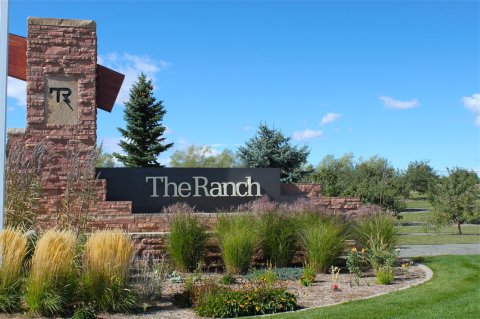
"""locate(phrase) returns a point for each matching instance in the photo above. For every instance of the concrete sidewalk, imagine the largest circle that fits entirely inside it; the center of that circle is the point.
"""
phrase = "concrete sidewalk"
(436, 250)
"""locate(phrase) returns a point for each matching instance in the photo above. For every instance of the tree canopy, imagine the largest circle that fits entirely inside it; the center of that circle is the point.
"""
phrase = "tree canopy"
(202, 156)
(455, 198)
(270, 148)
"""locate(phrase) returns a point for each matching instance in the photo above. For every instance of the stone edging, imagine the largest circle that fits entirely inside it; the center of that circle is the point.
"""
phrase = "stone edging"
(428, 276)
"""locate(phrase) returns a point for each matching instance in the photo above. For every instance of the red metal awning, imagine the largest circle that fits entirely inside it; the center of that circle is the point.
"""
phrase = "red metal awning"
(109, 81)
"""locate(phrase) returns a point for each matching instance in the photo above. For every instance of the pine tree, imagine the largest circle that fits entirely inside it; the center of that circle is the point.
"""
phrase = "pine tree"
(270, 148)
(142, 138)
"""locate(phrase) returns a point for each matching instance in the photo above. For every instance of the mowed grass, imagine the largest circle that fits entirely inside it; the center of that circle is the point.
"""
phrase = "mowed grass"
(418, 204)
(439, 239)
(448, 230)
(453, 292)
(414, 217)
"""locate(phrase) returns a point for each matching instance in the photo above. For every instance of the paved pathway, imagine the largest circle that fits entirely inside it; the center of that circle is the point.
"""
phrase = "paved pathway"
(436, 250)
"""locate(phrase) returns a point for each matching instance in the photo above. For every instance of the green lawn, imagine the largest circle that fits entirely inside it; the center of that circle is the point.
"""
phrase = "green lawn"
(453, 292)
(418, 204)
(414, 217)
(448, 230)
(438, 239)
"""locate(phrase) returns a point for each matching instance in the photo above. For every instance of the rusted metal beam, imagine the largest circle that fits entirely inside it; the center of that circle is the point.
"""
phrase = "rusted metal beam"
(109, 81)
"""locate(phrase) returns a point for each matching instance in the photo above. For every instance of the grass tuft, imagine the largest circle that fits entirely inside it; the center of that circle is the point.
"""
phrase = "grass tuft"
(107, 260)
(236, 235)
(13, 249)
(52, 280)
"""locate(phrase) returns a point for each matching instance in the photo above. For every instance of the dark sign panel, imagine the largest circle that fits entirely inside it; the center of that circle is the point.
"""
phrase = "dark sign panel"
(150, 189)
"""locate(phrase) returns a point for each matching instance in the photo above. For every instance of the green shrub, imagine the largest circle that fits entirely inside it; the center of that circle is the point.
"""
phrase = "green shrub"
(385, 275)
(51, 284)
(356, 260)
(221, 302)
(186, 242)
(277, 235)
(107, 264)
(228, 279)
(323, 241)
(13, 249)
(236, 235)
(308, 277)
(86, 311)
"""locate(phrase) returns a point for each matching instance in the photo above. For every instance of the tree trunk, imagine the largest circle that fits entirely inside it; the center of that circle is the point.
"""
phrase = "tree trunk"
(459, 229)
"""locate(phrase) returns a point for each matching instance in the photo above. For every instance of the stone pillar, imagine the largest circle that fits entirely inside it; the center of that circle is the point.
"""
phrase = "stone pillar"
(61, 89)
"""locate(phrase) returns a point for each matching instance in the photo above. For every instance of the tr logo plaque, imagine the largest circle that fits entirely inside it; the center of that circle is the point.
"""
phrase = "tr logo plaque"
(61, 100)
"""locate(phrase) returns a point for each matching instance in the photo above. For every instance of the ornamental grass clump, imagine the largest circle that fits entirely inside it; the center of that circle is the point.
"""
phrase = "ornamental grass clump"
(186, 242)
(378, 235)
(322, 241)
(236, 235)
(51, 285)
(107, 260)
(13, 249)
(277, 235)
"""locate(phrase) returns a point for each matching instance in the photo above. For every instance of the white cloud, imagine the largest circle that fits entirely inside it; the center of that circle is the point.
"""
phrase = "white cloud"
(307, 134)
(472, 103)
(391, 103)
(17, 90)
(131, 66)
(329, 118)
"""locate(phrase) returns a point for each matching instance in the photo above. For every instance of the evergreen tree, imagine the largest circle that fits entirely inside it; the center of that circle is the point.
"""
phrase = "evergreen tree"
(270, 148)
(142, 138)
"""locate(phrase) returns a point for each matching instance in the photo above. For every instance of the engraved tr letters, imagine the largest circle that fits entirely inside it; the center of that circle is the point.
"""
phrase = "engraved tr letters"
(65, 95)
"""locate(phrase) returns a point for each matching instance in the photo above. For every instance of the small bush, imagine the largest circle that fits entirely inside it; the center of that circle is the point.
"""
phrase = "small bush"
(356, 260)
(85, 312)
(268, 277)
(236, 235)
(219, 302)
(52, 281)
(13, 249)
(277, 235)
(228, 279)
(150, 274)
(186, 242)
(308, 277)
(107, 263)
(385, 275)
(323, 241)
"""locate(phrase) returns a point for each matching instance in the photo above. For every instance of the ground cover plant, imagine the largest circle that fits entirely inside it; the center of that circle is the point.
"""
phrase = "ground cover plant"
(13, 249)
(451, 293)
(186, 242)
(52, 281)
(107, 260)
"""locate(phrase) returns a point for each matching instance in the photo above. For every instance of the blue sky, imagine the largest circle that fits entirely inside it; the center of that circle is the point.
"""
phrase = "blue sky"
(395, 79)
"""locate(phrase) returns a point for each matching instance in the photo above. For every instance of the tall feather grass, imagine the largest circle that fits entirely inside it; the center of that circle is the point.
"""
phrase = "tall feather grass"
(377, 232)
(186, 242)
(323, 240)
(277, 235)
(236, 236)
(52, 281)
(107, 260)
(13, 249)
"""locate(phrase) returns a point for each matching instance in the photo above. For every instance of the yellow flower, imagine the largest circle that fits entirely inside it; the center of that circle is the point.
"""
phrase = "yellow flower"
(363, 250)
(257, 308)
(354, 250)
